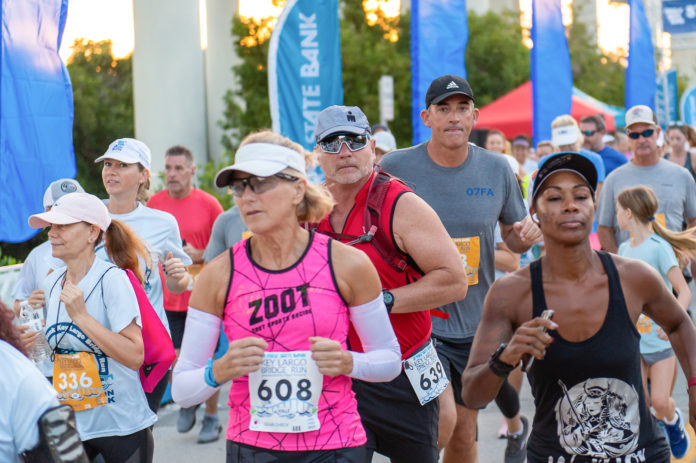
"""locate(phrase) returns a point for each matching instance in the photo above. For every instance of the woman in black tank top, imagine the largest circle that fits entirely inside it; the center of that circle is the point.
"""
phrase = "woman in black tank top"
(585, 379)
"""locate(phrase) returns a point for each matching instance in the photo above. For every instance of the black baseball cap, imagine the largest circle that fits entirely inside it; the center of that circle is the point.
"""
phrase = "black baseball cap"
(568, 161)
(446, 86)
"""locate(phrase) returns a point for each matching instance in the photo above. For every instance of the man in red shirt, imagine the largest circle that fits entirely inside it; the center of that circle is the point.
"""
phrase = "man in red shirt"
(195, 212)
(420, 269)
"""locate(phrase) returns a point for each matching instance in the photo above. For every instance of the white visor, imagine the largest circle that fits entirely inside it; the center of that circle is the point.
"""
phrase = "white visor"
(262, 160)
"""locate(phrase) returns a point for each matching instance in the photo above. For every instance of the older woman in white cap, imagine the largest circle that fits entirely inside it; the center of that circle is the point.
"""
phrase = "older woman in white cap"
(126, 177)
(39, 262)
(93, 326)
(285, 297)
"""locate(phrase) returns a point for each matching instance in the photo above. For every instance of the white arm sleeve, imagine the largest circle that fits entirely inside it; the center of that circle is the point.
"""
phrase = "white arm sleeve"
(381, 360)
(198, 345)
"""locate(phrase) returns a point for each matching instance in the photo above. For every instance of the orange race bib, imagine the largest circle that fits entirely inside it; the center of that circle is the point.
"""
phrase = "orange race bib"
(470, 253)
(76, 378)
(644, 324)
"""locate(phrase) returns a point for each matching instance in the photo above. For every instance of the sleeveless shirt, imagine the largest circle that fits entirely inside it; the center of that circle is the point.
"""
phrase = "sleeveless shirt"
(412, 329)
(286, 307)
(590, 405)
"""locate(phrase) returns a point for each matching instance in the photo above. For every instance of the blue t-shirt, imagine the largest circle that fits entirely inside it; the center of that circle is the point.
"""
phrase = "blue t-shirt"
(659, 254)
(612, 158)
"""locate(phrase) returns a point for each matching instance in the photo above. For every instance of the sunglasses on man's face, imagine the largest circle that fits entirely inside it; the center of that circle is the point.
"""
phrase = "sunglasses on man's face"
(647, 133)
(333, 144)
(588, 133)
(258, 185)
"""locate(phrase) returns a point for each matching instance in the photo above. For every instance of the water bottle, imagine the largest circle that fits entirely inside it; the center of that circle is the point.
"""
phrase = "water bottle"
(33, 318)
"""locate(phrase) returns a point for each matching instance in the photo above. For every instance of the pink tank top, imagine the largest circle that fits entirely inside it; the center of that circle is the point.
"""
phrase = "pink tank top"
(318, 310)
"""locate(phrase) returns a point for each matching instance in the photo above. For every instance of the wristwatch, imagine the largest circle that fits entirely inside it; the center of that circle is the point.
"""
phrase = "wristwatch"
(501, 369)
(388, 298)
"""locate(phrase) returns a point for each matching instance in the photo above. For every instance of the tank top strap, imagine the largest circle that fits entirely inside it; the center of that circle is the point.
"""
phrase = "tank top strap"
(616, 295)
(538, 298)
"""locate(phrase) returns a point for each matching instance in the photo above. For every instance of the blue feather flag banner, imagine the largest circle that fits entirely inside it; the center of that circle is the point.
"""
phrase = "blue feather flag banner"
(641, 84)
(304, 67)
(36, 111)
(439, 33)
(552, 77)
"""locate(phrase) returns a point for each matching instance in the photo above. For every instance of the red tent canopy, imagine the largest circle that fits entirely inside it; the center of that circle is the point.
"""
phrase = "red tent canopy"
(512, 112)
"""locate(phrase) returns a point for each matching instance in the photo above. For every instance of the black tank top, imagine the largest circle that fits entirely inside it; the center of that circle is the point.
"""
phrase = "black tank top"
(589, 397)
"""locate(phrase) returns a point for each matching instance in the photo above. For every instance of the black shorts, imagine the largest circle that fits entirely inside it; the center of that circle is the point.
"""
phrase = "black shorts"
(242, 453)
(397, 425)
(134, 448)
(177, 322)
(454, 355)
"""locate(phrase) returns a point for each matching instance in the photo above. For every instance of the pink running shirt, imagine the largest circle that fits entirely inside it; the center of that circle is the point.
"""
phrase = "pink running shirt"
(307, 303)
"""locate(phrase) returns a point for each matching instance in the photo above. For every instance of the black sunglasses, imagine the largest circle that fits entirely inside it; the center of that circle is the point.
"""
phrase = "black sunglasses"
(258, 185)
(636, 135)
(588, 133)
(333, 144)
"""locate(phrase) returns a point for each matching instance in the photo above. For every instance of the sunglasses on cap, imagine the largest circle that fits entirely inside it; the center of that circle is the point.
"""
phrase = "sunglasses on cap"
(333, 143)
(645, 133)
(258, 185)
(588, 133)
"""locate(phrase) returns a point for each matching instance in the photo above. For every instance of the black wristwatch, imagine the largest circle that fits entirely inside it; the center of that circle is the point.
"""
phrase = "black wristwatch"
(501, 369)
(388, 298)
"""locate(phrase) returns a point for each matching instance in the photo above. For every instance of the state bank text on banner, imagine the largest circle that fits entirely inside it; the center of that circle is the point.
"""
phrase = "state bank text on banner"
(304, 67)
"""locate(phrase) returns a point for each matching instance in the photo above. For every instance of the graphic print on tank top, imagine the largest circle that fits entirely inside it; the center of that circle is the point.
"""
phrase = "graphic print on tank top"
(598, 417)
(285, 308)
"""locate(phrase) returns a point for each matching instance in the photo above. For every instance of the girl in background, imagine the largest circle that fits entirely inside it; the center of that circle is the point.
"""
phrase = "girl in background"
(655, 245)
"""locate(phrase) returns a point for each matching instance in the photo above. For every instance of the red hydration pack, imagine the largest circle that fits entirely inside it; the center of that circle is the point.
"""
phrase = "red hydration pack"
(375, 235)
(159, 349)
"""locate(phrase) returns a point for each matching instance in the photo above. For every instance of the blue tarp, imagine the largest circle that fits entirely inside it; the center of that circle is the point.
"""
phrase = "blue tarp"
(36, 111)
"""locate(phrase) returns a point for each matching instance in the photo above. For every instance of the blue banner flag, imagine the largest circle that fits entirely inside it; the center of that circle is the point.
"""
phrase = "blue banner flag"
(679, 16)
(552, 78)
(36, 111)
(666, 101)
(304, 67)
(439, 34)
(640, 74)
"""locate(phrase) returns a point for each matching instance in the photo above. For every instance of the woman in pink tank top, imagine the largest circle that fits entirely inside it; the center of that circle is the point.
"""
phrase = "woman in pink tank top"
(285, 297)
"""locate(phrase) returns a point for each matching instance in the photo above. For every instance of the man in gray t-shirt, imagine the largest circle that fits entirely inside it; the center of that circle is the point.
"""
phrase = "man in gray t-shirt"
(471, 189)
(673, 185)
(227, 230)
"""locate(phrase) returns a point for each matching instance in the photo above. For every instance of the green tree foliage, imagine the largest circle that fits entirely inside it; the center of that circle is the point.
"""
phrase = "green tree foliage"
(103, 98)
(496, 59)
(595, 73)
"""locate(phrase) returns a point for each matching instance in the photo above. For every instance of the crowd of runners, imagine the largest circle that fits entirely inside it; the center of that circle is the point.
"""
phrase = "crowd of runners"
(376, 312)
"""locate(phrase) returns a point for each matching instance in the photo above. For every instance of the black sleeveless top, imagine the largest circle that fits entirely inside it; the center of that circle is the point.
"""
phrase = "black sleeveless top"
(589, 395)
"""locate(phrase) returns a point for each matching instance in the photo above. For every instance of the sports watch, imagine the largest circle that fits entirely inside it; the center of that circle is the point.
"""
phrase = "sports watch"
(388, 298)
(498, 367)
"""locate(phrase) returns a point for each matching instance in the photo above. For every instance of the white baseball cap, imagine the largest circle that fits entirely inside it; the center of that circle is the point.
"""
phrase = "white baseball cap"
(74, 208)
(262, 160)
(640, 113)
(128, 150)
(565, 135)
(60, 188)
(385, 141)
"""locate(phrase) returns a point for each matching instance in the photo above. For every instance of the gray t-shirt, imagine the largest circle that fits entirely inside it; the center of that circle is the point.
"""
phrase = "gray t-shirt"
(470, 199)
(227, 230)
(673, 185)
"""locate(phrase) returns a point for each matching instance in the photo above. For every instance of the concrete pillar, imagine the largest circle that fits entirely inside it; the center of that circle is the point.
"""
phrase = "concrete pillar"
(219, 59)
(169, 79)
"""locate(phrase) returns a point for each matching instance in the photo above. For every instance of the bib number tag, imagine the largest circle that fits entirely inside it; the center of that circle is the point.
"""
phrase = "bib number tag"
(284, 393)
(644, 324)
(425, 372)
(76, 378)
